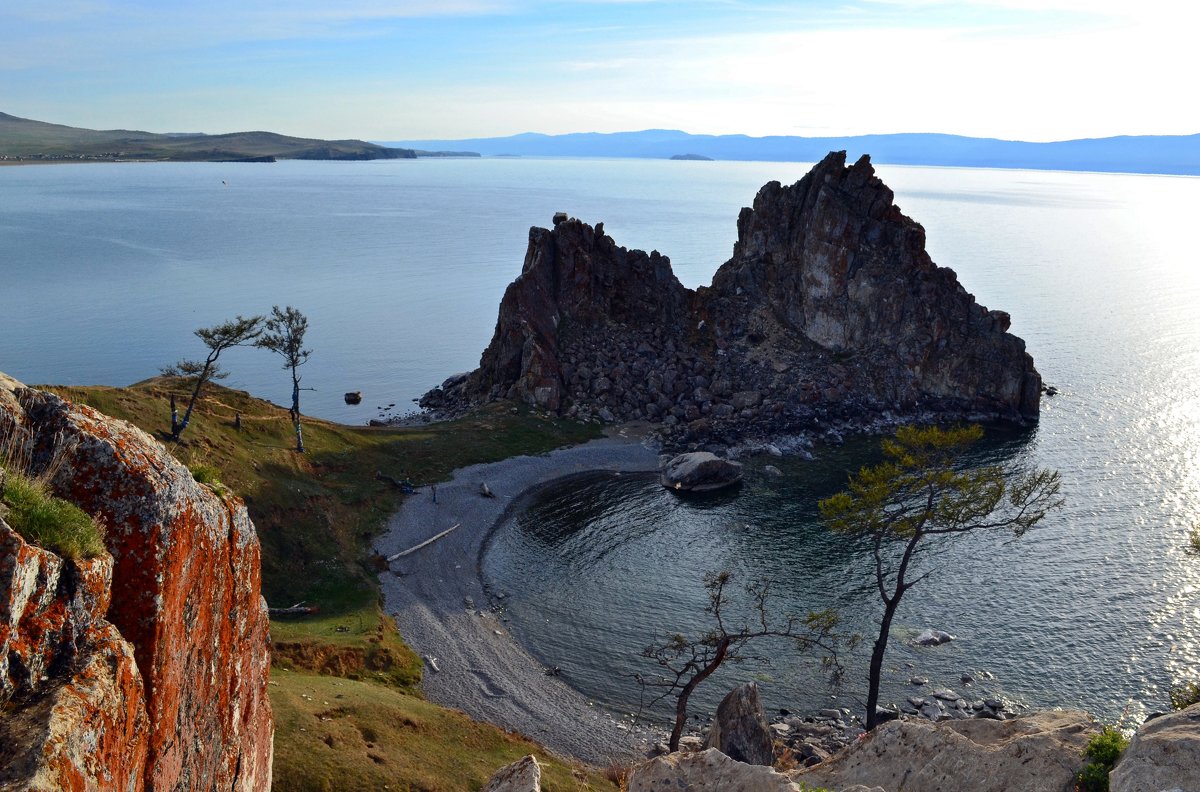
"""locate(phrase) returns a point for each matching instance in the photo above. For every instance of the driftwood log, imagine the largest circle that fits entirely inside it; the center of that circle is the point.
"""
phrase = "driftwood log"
(299, 609)
(427, 542)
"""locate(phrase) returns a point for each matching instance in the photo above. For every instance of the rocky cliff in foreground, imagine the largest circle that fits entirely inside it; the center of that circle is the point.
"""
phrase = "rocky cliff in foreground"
(146, 668)
(829, 308)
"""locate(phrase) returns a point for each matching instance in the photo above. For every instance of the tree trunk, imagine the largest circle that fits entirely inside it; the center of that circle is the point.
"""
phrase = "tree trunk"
(876, 672)
(187, 415)
(296, 412)
(682, 701)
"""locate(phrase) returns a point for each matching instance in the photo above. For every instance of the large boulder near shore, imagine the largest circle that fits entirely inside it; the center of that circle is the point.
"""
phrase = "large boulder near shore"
(740, 730)
(700, 471)
(706, 771)
(1041, 752)
(152, 661)
(1164, 754)
(829, 309)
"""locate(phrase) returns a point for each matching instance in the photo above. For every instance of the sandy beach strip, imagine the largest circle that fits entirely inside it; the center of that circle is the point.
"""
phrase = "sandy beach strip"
(437, 598)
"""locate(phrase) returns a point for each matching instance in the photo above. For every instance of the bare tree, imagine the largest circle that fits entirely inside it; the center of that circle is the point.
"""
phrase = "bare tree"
(285, 337)
(686, 662)
(218, 338)
(922, 490)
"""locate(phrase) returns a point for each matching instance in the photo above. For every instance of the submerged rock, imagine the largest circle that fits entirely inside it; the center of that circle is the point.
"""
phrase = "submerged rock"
(700, 471)
(829, 308)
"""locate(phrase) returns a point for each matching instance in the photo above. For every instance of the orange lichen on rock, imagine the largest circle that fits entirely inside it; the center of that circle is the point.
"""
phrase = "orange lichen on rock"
(185, 592)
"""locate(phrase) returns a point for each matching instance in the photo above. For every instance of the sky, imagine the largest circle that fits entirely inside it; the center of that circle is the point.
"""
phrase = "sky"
(421, 69)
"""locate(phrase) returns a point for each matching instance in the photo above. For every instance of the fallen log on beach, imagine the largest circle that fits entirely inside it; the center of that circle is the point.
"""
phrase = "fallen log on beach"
(427, 542)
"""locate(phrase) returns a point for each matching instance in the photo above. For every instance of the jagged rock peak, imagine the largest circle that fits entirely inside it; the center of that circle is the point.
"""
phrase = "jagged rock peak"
(829, 307)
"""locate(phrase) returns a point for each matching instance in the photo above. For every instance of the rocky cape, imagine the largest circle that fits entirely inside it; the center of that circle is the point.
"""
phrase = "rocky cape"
(145, 668)
(830, 310)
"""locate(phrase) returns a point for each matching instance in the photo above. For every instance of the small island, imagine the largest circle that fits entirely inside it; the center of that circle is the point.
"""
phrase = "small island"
(693, 157)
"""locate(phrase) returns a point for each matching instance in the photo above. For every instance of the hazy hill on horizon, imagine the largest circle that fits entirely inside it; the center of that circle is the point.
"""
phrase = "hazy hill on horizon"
(1155, 154)
(25, 139)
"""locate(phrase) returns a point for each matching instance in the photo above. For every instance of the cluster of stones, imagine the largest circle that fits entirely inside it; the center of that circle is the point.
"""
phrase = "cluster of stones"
(945, 704)
(830, 311)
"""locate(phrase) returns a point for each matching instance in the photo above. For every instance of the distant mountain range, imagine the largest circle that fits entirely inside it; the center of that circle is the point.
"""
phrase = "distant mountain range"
(1166, 154)
(23, 140)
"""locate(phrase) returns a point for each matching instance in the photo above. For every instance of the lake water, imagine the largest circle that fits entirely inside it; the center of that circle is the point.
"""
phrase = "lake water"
(400, 266)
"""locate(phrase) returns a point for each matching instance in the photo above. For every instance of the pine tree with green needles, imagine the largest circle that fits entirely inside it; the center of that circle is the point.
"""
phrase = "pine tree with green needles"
(923, 490)
(238, 332)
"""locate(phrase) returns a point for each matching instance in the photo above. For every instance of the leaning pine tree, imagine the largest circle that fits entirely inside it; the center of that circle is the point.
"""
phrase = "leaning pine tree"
(285, 337)
(922, 490)
(237, 332)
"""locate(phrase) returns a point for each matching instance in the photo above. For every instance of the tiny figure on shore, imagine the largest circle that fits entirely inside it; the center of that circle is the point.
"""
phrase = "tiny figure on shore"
(433, 489)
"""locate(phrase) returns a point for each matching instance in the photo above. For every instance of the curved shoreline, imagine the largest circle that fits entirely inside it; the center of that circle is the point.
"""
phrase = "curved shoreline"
(440, 605)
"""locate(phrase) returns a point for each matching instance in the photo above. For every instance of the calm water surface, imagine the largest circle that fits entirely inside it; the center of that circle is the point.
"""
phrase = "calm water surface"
(400, 266)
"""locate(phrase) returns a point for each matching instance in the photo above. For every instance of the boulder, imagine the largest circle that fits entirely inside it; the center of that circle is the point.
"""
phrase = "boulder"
(1164, 754)
(700, 471)
(706, 771)
(523, 775)
(1034, 753)
(932, 638)
(740, 730)
(184, 593)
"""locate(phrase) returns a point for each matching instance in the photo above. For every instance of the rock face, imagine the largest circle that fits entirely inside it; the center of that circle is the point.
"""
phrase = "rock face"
(74, 704)
(1164, 754)
(740, 730)
(1034, 753)
(829, 308)
(700, 471)
(707, 771)
(185, 604)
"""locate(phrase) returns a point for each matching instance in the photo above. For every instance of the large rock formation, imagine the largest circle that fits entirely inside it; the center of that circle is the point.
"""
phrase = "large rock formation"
(1164, 754)
(185, 605)
(1034, 753)
(830, 307)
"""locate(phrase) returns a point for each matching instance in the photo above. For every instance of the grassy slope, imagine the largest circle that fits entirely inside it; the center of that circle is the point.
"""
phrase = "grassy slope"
(315, 515)
(23, 137)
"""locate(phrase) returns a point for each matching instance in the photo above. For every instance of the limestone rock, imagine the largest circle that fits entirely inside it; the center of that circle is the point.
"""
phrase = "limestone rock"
(707, 771)
(700, 471)
(184, 594)
(829, 307)
(1034, 753)
(740, 730)
(1164, 754)
(523, 775)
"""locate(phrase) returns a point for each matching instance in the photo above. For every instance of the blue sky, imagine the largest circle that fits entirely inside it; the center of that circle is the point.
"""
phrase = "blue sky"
(393, 70)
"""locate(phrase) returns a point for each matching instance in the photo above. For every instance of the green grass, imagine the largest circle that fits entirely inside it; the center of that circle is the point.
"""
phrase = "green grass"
(344, 734)
(209, 476)
(316, 514)
(47, 521)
